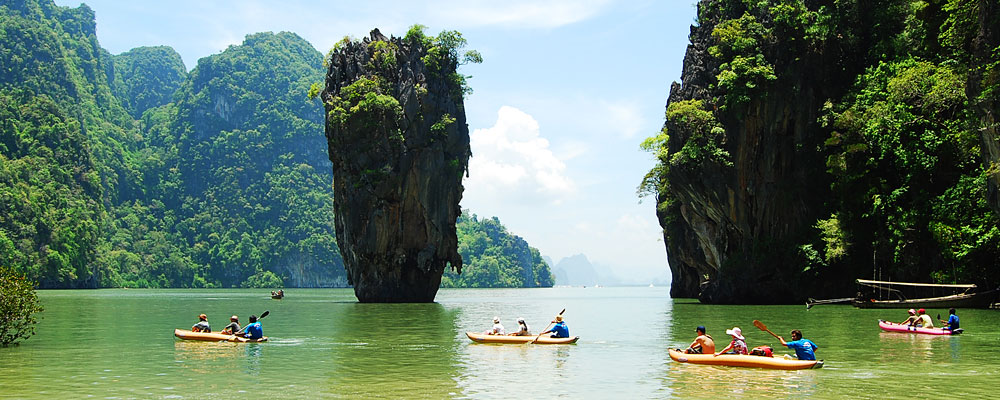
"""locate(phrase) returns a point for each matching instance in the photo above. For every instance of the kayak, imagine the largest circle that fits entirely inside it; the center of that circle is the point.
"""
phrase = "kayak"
(894, 327)
(213, 337)
(504, 339)
(740, 360)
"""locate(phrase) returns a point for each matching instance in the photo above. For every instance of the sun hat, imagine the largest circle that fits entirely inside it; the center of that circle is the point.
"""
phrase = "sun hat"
(520, 319)
(234, 318)
(202, 316)
(496, 320)
(911, 311)
(736, 332)
(558, 318)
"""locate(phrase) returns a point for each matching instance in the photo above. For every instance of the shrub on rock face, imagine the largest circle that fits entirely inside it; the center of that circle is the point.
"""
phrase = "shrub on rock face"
(18, 304)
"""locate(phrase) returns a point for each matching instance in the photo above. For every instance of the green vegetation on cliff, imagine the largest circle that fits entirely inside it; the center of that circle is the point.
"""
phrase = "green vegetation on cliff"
(495, 258)
(124, 170)
(852, 139)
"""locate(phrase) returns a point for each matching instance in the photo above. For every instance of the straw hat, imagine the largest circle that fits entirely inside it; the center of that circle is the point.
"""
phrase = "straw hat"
(496, 320)
(558, 318)
(202, 316)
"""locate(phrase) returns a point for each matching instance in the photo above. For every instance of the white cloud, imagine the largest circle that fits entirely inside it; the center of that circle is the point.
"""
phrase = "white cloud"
(511, 162)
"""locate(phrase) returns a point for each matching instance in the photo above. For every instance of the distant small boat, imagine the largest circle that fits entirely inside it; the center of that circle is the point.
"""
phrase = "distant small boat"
(277, 295)
(506, 339)
(213, 337)
(894, 327)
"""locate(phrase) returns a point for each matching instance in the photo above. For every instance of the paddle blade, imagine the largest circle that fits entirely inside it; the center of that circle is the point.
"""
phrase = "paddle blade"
(564, 310)
(266, 312)
(759, 325)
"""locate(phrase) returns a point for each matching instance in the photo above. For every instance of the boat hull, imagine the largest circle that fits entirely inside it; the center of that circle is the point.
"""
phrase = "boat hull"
(894, 327)
(504, 339)
(739, 360)
(213, 337)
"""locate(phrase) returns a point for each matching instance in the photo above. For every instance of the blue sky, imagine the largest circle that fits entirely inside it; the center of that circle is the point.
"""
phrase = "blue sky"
(567, 91)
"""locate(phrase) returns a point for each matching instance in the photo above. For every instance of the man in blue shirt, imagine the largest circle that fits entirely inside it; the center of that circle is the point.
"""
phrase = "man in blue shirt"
(559, 330)
(805, 349)
(253, 330)
(952, 320)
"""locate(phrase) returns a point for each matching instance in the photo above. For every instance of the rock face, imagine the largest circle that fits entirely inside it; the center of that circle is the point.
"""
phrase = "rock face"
(399, 144)
(981, 80)
(735, 219)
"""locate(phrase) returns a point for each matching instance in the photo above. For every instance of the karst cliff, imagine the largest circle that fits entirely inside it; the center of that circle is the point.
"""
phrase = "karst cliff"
(811, 143)
(399, 143)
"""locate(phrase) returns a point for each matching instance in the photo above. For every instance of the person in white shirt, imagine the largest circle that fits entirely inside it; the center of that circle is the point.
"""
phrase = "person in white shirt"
(497, 327)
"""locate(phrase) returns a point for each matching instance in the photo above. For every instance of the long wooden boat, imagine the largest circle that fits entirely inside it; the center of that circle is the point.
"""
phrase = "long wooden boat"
(894, 327)
(505, 339)
(740, 360)
(968, 298)
(213, 337)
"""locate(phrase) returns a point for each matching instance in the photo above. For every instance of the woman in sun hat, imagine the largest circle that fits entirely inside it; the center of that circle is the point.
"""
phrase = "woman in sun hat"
(738, 345)
(912, 319)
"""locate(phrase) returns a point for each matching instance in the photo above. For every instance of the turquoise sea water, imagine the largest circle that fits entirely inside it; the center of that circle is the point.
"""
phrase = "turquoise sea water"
(120, 344)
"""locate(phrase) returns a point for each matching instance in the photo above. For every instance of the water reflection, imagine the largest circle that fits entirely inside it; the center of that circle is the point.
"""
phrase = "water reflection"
(392, 350)
(708, 381)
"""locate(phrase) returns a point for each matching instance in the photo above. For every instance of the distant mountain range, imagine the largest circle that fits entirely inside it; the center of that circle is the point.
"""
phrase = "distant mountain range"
(577, 270)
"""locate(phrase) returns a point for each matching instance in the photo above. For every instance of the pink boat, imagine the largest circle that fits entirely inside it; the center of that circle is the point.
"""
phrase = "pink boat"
(894, 327)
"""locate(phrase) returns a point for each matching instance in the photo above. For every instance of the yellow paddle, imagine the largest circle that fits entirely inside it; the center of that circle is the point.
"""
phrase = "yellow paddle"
(761, 326)
(546, 328)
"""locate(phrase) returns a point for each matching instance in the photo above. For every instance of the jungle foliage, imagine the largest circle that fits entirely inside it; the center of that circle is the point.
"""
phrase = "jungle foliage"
(128, 171)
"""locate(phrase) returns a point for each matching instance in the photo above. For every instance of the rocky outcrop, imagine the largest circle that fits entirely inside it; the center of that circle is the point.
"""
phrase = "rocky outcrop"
(747, 177)
(399, 144)
(984, 91)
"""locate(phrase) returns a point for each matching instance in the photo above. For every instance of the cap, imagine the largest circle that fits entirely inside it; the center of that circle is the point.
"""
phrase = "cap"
(921, 311)
(700, 328)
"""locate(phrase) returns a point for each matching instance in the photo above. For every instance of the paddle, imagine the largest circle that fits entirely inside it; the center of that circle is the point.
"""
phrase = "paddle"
(761, 326)
(546, 328)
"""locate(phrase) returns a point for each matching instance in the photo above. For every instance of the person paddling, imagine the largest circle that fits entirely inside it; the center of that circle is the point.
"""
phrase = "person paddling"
(559, 330)
(202, 325)
(703, 344)
(253, 330)
(805, 349)
(952, 322)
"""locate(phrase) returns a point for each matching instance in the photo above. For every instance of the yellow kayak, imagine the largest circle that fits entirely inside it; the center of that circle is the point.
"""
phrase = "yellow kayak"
(213, 337)
(739, 360)
(504, 339)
